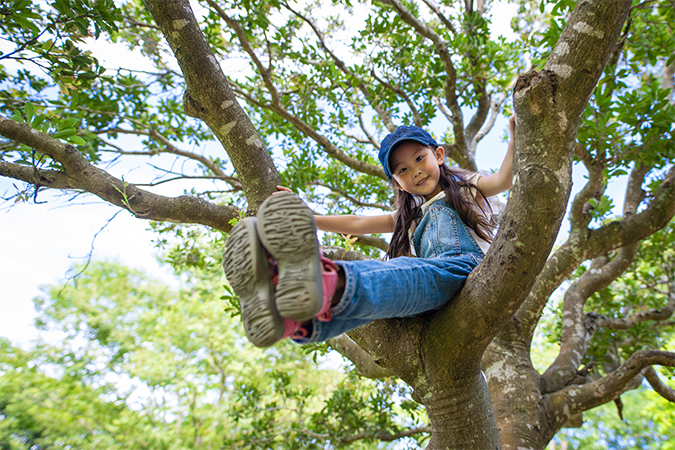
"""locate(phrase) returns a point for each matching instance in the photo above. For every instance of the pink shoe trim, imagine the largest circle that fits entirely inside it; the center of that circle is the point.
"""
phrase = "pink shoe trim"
(294, 330)
(330, 279)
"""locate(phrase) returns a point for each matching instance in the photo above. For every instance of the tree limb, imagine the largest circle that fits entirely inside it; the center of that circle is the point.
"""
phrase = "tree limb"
(80, 174)
(444, 20)
(576, 399)
(208, 96)
(594, 187)
(460, 155)
(372, 241)
(659, 386)
(364, 363)
(479, 117)
(660, 314)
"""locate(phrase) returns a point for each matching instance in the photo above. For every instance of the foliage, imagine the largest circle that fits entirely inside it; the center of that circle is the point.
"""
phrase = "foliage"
(137, 364)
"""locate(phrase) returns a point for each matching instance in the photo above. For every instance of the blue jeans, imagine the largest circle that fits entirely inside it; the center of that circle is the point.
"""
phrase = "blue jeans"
(405, 287)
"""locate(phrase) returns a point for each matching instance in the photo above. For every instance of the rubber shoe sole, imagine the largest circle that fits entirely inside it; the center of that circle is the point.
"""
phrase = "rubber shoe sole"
(247, 271)
(287, 229)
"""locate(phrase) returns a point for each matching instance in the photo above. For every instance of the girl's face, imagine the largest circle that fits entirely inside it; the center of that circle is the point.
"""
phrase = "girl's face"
(415, 168)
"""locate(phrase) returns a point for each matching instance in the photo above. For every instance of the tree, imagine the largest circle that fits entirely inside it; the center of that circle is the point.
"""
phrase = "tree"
(599, 92)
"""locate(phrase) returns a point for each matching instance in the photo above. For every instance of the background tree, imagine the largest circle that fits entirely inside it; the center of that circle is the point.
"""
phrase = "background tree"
(140, 365)
(323, 85)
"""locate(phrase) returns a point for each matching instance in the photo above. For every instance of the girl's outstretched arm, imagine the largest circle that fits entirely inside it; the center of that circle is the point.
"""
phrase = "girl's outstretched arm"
(501, 180)
(351, 224)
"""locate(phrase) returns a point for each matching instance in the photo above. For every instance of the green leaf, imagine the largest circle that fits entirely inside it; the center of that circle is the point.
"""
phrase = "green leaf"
(29, 110)
(65, 133)
(77, 140)
(17, 117)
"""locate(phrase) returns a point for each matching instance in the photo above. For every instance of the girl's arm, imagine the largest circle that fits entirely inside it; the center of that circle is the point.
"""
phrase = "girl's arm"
(350, 224)
(501, 180)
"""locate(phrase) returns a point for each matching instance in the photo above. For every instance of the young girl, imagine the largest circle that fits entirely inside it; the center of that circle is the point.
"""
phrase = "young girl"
(441, 231)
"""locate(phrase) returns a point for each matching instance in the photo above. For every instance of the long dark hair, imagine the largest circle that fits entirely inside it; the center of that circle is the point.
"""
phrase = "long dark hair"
(457, 187)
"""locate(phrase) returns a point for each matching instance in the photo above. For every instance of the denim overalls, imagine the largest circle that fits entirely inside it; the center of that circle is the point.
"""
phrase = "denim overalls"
(404, 286)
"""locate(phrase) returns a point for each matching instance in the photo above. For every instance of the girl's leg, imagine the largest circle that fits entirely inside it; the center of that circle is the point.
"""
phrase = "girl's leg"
(401, 287)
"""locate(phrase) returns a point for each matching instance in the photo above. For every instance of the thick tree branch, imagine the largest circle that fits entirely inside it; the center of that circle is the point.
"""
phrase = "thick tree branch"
(37, 177)
(659, 386)
(364, 363)
(208, 96)
(576, 399)
(79, 174)
(581, 49)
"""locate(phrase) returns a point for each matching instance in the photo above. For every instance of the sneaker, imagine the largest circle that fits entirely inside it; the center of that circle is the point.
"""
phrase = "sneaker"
(287, 230)
(248, 272)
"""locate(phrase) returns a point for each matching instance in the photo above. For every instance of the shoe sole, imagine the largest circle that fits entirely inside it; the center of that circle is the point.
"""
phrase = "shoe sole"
(247, 271)
(287, 229)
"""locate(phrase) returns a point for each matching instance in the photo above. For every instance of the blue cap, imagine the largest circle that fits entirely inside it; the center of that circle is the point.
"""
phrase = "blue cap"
(402, 134)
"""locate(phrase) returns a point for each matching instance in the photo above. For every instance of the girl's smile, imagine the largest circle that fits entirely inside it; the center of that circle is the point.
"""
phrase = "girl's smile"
(415, 168)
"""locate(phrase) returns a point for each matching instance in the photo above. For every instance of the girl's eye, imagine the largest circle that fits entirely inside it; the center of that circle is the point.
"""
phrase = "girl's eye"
(419, 158)
(403, 169)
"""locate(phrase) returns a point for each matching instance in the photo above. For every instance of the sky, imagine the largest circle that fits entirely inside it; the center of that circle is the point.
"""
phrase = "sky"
(39, 242)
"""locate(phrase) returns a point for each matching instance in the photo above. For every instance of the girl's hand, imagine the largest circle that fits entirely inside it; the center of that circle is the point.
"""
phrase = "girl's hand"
(282, 189)
(512, 125)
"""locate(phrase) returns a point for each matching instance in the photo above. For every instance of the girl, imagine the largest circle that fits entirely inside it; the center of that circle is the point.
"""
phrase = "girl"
(441, 231)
